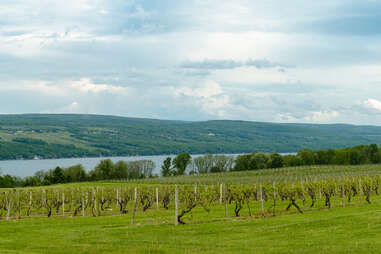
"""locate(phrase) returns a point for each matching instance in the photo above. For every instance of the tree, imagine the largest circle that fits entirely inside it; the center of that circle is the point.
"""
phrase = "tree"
(307, 156)
(261, 160)
(166, 167)
(120, 170)
(321, 157)
(103, 170)
(203, 164)
(7, 181)
(276, 160)
(341, 157)
(40, 175)
(147, 167)
(354, 157)
(75, 173)
(181, 163)
(134, 170)
(58, 175)
(243, 162)
(291, 161)
(375, 155)
(222, 163)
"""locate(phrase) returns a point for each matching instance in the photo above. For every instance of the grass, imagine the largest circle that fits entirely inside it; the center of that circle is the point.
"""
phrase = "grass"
(341, 230)
(354, 228)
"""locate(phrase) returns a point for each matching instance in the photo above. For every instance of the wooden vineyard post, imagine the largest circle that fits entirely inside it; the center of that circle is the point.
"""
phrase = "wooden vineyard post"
(87, 198)
(343, 194)
(117, 197)
(43, 194)
(302, 186)
(220, 193)
(135, 194)
(72, 199)
(135, 205)
(261, 197)
(157, 198)
(226, 201)
(18, 205)
(9, 204)
(58, 200)
(83, 204)
(63, 203)
(103, 198)
(176, 205)
(360, 191)
(274, 196)
(120, 196)
(30, 203)
(195, 192)
(95, 201)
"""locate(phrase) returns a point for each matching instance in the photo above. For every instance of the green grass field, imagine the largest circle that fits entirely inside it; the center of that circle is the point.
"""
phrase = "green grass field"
(340, 230)
(355, 228)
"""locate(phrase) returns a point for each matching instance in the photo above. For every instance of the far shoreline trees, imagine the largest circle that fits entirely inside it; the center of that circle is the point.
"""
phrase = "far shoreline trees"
(184, 164)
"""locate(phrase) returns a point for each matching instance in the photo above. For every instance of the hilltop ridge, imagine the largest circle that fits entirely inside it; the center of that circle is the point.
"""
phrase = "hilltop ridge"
(77, 135)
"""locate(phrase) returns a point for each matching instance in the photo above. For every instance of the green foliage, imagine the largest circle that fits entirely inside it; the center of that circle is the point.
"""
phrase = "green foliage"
(212, 164)
(166, 167)
(58, 176)
(358, 155)
(58, 136)
(307, 157)
(103, 170)
(276, 161)
(181, 162)
(75, 173)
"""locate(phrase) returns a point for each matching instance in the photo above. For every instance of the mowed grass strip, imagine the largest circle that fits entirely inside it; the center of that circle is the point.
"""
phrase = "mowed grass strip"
(341, 230)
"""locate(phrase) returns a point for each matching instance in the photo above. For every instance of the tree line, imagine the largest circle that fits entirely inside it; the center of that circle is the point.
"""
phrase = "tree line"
(105, 170)
(184, 164)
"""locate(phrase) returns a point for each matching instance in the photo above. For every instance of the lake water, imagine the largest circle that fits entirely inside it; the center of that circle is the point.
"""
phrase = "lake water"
(24, 168)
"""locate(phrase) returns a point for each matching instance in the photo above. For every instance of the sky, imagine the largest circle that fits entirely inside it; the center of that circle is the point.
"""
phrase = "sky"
(274, 60)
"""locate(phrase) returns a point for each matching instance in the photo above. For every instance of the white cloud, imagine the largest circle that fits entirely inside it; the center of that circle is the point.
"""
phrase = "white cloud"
(109, 57)
(85, 85)
(322, 116)
(374, 104)
(208, 89)
(72, 108)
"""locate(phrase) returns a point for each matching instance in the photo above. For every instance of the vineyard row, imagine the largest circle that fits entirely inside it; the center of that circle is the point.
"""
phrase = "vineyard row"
(263, 199)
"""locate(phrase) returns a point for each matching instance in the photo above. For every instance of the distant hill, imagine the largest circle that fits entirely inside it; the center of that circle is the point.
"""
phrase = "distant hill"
(71, 135)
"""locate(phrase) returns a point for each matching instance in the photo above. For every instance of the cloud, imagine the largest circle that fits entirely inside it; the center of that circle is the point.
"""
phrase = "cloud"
(211, 64)
(220, 64)
(373, 104)
(126, 57)
(85, 85)
(207, 90)
(322, 116)
(72, 108)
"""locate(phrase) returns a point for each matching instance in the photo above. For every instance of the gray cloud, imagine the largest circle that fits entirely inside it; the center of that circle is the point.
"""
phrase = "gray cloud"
(215, 64)
(139, 47)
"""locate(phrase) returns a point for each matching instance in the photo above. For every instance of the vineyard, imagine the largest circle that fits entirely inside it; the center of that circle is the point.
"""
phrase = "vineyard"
(288, 174)
(183, 203)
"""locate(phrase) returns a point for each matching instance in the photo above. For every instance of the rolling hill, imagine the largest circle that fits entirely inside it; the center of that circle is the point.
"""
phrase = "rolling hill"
(73, 135)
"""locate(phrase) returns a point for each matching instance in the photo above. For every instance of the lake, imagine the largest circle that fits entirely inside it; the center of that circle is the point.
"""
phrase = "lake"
(24, 168)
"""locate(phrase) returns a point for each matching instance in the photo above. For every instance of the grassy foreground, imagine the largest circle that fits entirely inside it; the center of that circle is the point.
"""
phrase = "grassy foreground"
(341, 230)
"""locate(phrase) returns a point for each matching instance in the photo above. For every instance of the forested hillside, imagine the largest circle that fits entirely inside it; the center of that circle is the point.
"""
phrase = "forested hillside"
(69, 135)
